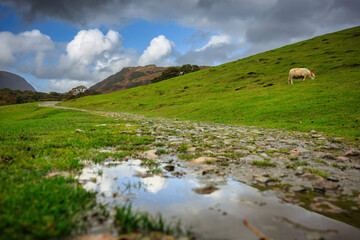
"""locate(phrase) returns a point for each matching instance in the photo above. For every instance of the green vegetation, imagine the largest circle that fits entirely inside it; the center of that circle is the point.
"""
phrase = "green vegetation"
(264, 163)
(254, 90)
(296, 164)
(37, 141)
(318, 172)
(172, 72)
(128, 221)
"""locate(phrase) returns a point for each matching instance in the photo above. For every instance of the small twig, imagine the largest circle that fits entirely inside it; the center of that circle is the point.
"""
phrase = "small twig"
(257, 232)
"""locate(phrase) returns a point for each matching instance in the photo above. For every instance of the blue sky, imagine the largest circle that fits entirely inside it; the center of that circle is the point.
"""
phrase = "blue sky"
(57, 45)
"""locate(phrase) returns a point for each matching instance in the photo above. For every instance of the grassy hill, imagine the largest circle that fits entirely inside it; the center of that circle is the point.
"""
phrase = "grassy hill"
(254, 90)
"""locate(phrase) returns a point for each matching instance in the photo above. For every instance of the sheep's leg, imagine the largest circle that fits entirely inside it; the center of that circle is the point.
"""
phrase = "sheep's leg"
(290, 80)
(304, 78)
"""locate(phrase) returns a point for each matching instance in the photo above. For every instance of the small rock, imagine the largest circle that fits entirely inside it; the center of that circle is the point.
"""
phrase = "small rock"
(321, 186)
(143, 175)
(201, 160)
(151, 154)
(325, 206)
(169, 168)
(54, 174)
(295, 152)
(352, 153)
(264, 155)
(316, 135)
(298, 189)
(342, 158)
(79, 131)
(332, 179)
(193, 150)
(253, 157)
(251, 148)
(328, 156)
(205, 190)
(313, 132)
(299, 171)
(310, 176)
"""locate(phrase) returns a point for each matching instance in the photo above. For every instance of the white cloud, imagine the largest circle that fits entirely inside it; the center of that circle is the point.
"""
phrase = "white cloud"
(64, 85)
(25, 43)
(158, 51)
(216, 41)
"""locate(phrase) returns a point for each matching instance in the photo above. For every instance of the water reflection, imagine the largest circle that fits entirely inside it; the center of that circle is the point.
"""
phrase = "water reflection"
(216, 215)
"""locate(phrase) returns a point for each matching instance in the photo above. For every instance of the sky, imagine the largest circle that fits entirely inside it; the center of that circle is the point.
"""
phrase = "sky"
(58, 45)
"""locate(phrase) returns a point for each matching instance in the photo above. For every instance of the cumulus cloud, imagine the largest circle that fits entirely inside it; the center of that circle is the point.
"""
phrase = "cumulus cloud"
(64, 85)
(25, 44)
(262, 24)
(215, 41)
(158, 51)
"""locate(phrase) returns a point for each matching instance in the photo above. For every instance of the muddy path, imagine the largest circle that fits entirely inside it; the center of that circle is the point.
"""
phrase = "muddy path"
(289, 183)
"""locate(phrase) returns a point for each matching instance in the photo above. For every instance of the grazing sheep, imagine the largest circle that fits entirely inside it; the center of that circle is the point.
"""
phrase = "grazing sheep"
(300, 73)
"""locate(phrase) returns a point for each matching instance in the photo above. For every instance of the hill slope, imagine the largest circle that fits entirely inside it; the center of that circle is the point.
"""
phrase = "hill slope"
(128, 77)
(14, 82)
(254, 90)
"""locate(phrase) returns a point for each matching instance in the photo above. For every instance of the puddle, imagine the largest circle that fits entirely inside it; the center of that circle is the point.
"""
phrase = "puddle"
(214, 208)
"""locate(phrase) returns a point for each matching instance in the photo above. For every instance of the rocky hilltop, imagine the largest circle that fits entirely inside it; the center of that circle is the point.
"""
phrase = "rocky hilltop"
(14, 82)
(128, 77)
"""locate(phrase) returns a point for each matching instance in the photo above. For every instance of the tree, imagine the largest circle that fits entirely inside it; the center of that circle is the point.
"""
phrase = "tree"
(76, 92)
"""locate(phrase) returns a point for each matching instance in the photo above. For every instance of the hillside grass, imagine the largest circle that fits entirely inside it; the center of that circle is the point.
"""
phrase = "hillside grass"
(254, 90)
(36, 141)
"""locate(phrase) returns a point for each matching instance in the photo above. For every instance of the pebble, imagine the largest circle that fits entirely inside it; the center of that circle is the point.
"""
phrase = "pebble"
(352, 153)
(151, 154)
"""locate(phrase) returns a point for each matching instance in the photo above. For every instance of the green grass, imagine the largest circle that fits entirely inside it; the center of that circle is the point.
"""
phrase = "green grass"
(264, 163)
(128, 220)
(35, 141)
(296, 164)
(254, 90)
(318, 172)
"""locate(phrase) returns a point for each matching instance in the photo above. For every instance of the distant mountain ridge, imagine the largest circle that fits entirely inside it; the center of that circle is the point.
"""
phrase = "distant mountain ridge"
(128, 77)
(14, 82)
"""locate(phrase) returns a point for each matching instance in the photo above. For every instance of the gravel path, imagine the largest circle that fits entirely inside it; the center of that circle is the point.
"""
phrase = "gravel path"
(294, 162)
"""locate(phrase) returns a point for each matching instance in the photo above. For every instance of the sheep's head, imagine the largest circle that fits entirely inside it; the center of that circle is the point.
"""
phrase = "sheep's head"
(312, 75)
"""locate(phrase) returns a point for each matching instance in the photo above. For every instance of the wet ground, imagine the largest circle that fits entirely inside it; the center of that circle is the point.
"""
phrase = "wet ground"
(290, 185)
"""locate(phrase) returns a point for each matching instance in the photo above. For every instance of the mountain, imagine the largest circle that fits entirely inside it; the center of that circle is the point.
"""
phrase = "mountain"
(128, 77)
(14, 82)
(254, 90)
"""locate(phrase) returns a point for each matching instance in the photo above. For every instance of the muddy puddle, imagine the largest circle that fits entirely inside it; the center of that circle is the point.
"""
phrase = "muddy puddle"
(212, 207)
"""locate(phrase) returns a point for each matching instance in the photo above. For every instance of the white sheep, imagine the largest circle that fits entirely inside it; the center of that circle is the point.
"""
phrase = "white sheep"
(300, 73)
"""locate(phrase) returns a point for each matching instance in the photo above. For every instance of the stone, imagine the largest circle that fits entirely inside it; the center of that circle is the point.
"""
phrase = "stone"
(325, 206)
(298, 189)
(54, 174)
(193, 150)
(313, 132)
(342, 158)
(321, 186)
(299, 171)
(151, 154)
(169, 168)
(205, 190)
(79, 131)
(310, 176)
(328, 156)
(201, 160)
(295, 152)
(352, 153)
(143, 175)
(253, 157)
